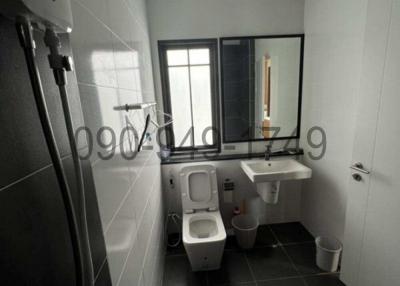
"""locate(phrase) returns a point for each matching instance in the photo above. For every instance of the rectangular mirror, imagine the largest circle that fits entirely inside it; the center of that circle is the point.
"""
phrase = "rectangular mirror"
(261, 81)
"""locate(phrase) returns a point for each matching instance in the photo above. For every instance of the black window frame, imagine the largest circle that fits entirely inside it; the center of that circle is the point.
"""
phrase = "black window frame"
(212, 44)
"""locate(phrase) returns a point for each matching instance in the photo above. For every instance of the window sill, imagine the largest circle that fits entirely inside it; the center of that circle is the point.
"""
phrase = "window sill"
(201, 157)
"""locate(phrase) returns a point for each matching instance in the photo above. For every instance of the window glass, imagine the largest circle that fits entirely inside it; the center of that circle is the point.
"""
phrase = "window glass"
(201, 100)
(180, 104)
(177, 57)
(199, 56)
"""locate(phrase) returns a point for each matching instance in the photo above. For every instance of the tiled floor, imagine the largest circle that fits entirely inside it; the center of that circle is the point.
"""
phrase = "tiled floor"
(284, 255)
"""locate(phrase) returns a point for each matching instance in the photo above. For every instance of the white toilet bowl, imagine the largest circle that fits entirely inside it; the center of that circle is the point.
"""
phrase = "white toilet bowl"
(203, 231)
(204, 239)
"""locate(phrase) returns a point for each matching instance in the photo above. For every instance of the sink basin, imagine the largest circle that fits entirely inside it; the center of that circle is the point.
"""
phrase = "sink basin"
(260, 171)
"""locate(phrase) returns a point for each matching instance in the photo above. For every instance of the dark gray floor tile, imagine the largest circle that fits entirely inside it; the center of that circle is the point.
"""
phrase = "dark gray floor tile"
(269, 263)
(265, 237)
(324, 280)
(234, 269)
(231, 243)
(303, 256)
(179, 273)
(291, 232)
(283, 282)
(242, 284)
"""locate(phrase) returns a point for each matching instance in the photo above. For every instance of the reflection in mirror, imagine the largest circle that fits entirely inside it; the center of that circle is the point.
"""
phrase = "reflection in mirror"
(261, 80)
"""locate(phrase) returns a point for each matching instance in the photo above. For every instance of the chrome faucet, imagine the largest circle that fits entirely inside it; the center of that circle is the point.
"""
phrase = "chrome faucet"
(268, 153)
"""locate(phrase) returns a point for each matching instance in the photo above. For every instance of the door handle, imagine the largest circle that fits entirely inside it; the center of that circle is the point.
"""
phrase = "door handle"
(359, 168)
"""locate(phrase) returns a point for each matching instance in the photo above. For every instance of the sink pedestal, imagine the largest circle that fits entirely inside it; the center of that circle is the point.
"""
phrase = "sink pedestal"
(269, 191)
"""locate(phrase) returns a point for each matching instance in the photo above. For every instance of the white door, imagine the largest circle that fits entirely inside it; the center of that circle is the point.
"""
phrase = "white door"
(372, 236)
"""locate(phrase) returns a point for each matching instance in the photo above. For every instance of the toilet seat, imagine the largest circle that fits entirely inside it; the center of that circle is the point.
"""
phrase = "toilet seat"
(199, 188)
(212, 222)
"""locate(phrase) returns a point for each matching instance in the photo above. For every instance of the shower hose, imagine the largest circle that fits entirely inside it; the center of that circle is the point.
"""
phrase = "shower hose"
(60, 64)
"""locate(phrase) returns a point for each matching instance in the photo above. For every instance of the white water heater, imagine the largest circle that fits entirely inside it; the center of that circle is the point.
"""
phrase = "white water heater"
(48, 13)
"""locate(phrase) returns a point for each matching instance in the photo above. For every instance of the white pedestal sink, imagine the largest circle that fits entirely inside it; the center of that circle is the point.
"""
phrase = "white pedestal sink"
(268, 174)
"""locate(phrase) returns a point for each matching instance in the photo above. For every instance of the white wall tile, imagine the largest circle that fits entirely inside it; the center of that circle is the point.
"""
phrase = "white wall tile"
(98, 8)
(111, 48)
(126, 66)
(92, 46)
(120, 238)
(112, 184)
(120, 20)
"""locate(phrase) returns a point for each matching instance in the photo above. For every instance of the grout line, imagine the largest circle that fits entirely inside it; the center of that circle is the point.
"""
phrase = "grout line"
(321, 274)
(290, 259)
(282, 246)
(107, 26)
(101, 268)
(159, 254)
(298, 277)
(144, 26)
(279, 244)
(138, 228)
(281, 278)
(113, 87)
(25, 177)
(284, 250)
(297, 243)
(147, 250)
(126, 195)
(63, 158)
(250, 268)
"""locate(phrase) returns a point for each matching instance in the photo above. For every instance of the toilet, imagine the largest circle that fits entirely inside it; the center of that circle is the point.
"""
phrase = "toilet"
(203, 231)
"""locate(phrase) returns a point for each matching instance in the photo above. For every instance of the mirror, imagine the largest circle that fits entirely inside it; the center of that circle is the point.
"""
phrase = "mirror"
(261, 81)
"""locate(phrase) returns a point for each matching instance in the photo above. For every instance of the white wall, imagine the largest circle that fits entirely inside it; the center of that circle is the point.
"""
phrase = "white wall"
(190, 19)
(111, 48)
(333, 53)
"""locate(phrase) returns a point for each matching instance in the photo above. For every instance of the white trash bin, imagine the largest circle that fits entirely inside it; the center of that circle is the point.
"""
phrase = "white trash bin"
(245, 228)
(328, 253)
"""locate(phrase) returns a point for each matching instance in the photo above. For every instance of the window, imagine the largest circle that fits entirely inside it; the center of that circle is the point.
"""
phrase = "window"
(189, 81)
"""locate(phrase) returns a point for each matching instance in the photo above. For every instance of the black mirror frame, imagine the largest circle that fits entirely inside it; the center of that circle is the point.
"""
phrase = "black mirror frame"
(298, 128)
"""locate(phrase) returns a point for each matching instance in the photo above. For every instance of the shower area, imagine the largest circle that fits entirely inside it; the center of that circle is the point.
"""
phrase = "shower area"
(88, 213)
